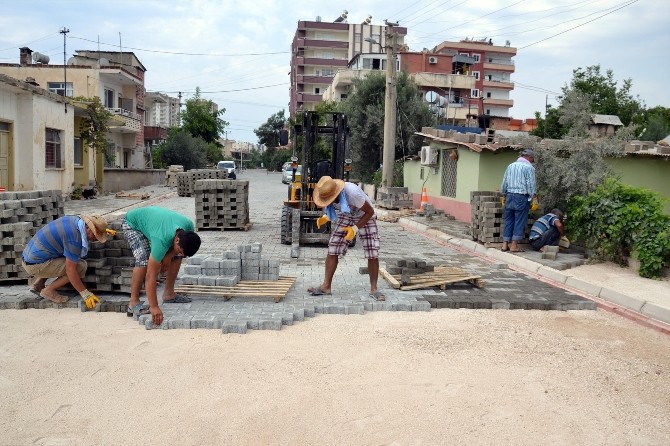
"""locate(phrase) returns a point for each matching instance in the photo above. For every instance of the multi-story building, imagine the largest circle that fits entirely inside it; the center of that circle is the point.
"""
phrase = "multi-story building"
(320, 49)
(161, 113)
(492, 69)
(117, 78)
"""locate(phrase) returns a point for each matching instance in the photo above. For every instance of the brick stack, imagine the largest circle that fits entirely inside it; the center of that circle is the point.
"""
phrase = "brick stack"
(221, 204)
(171, 174)
(394, 198)
(186, 180)
(110, 265)
(22, 214)
(244, 264)
(487, 217)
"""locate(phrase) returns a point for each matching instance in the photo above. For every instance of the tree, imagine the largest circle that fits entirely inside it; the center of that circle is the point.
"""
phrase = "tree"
(200, 120)
(365, 113)
(93, 128)
(654, 124)
(182, 148)
(268, 132)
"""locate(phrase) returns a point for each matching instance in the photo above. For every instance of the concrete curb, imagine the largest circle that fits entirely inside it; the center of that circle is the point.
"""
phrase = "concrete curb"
(641, 309)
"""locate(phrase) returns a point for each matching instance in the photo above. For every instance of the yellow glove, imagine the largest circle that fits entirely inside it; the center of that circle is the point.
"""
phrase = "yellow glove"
(110, 232)
(351, 232)
(503, 200)
(90, 299)
(322, 221)
(534, 205)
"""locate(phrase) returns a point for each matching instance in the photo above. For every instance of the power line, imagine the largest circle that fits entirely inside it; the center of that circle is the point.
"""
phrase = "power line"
(230, 91)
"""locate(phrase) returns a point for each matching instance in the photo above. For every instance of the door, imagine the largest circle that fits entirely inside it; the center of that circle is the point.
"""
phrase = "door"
(4, 155)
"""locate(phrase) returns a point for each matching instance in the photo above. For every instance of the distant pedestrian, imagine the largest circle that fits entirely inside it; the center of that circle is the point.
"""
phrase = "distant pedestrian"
(350, 210)
(547, 230)
(518, 189)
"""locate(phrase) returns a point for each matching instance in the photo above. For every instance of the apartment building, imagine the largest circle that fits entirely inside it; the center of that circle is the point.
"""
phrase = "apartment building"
(161, 112)
(117, 78)
(320, 49)
(493, 67)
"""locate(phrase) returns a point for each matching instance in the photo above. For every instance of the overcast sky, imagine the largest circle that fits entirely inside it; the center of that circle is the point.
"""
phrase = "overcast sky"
(238, 52)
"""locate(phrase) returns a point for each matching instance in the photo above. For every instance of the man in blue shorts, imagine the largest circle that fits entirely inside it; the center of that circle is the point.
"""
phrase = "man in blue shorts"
(160, 239)
(350, 210)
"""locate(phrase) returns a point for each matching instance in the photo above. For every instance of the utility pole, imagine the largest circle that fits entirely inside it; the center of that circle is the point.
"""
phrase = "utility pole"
(389, 107)
(546, 109)
(64, 32)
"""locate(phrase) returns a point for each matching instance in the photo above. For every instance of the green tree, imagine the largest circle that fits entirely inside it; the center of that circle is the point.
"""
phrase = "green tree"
(365, 113)
(201, 121)
(182, 148)
(93, 128)
(654, 124)
(268, 132)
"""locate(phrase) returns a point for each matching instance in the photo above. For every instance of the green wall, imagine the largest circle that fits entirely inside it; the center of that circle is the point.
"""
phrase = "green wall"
(650, 172)
(492, 166)
(468, 174)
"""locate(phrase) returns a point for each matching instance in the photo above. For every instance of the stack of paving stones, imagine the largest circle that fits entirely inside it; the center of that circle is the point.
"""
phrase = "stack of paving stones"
(110, 264)
(407, 268)
(244, 264)
(186, 180)
(394, 198)
(171, 174)
(487, 217)
(22, 214)
(221, 204)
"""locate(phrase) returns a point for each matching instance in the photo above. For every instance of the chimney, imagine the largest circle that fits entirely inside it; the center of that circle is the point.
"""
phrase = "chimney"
(25, 56)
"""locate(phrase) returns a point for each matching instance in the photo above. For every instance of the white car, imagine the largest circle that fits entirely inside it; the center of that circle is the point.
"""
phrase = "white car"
(229, 166)
(287, 175)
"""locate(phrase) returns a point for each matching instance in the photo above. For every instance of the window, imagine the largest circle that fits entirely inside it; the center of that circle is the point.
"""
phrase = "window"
(327, 73)
(343, 96)
(328, 55)
(53, 149)
(317, 90)
(60, 88)
(477, 57)
(78, 152)
(109, 98)
(449, 174)
(476, 75)
(474, 93)
(488, 95)
(488, 111)
(357, 37)
(376, 37)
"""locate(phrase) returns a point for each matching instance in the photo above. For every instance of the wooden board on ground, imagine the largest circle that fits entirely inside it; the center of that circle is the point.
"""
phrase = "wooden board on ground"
(244, 227)
(275, 289)
(132, 196)
(442, 276)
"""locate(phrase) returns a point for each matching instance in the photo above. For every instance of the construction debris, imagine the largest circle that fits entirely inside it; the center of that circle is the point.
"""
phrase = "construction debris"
(123, 194)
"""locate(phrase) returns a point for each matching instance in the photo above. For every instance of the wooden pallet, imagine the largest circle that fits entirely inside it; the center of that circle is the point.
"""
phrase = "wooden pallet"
(276, 289)
(442, 276)
(244, 227)
(132, 196)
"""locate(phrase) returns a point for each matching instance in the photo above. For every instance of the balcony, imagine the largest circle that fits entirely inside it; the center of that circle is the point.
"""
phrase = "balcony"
(316, 43)
(313, 79)
(444, 81)
(498, 84)
(506, 66)
(309, 97)
(132, 122)
(498, 102)
(153, 133)
(324, 62)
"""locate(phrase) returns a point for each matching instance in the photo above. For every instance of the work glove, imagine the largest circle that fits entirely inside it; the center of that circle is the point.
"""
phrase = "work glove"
(351, 232)
(110, 232)
(322, 221)
(90, 299)
(503, 200)
(534, 206)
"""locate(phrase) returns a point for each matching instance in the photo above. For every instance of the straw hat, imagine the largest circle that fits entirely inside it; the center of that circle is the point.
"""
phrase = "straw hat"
(327, 190)
(97, 225)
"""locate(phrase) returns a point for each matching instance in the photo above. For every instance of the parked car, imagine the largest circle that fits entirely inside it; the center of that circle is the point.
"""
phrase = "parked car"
(287, 175)
(229, 166)
(286, 166)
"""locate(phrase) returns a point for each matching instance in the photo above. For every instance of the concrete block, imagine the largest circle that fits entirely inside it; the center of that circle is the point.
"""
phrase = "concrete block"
(363, 270)
(192, 270)
(420, 306)
(583, 286)
(469, 244)
(549, 255)
(354, 309)
(207, 280)
(552, 274)
(180, 321)
(655, 311)
(210, 271)
(239, 327)
(623, 300)
(269, 324)
(227, 281)
(203, 321)
(520, 262)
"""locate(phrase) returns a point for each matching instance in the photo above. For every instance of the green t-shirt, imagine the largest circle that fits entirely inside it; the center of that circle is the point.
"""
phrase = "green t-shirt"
(159, 226)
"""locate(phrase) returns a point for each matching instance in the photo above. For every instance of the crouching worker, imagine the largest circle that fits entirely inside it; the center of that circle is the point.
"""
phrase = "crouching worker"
(547, 230)
(56, 251)
(350, 210)
(160, 239)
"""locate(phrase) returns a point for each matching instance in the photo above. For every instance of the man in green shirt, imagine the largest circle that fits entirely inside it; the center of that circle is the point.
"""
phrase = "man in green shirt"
(160, 239)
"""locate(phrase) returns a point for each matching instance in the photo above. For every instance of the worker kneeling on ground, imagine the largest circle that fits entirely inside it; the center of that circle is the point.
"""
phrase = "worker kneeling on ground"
(547, 230)
(160, 239)
(57, 250)
(350, 210)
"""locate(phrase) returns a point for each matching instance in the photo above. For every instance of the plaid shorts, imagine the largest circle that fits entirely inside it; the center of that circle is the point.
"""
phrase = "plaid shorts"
(138, 243)
(368, 235)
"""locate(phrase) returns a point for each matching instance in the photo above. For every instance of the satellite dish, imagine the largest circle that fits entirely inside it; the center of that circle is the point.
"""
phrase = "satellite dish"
(40, 58)
(103, 61)
(432, 97)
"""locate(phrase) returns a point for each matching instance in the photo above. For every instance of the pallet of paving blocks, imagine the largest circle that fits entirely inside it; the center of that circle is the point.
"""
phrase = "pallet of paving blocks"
(110, 264)
(22, 214)
(186, 180)
(487, 217)
(407, 275)
(222, 204)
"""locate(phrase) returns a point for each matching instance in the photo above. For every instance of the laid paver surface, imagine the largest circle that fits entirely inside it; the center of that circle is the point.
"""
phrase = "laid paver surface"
(505, 288)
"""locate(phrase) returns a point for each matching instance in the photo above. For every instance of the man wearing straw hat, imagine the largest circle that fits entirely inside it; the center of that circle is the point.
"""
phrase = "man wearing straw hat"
(350, 210)
(57, 249)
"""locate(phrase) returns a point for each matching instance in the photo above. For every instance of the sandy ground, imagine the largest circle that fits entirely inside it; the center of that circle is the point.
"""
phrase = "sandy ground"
(442, 377)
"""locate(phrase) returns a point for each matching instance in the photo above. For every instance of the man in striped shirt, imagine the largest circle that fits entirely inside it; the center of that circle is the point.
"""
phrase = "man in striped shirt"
(56, 250)
(547, 230)
(518, 188)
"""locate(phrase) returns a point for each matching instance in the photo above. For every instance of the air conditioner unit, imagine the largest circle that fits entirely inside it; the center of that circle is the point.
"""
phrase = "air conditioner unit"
(432, 59)
(428, 156)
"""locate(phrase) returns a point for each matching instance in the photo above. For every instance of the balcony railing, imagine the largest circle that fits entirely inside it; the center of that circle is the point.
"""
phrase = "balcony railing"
(132, 120)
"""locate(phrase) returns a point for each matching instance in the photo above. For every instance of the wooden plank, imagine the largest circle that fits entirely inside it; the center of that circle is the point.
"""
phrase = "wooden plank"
(432, 283)
(389, 278)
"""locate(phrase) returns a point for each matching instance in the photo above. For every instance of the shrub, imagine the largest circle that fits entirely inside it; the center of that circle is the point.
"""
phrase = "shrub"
(616, 220)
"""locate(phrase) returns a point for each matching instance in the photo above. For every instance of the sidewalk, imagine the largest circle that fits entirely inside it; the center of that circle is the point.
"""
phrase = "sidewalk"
(613, 288)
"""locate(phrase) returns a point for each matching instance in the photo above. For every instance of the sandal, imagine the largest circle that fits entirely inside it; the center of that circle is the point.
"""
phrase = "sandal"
(378, 296)
(317, 291)
(140, 309)
(53, 296)
(178, 299)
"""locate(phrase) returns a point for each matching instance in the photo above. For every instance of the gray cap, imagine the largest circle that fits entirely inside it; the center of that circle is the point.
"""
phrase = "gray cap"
(528, 152)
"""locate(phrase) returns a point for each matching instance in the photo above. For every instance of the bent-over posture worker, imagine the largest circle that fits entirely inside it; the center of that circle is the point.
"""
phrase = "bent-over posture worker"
(518, 189)
(350, 210)
(547, 230)
(56, 250)
(160, 239)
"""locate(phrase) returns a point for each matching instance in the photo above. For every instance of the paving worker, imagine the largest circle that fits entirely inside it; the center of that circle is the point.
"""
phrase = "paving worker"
(547, 230)
(350, 210)
(518, 189)
(160, 239)
(56, 250)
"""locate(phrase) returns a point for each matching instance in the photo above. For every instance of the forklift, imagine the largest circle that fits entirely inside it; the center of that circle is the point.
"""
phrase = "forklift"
(299, 213)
